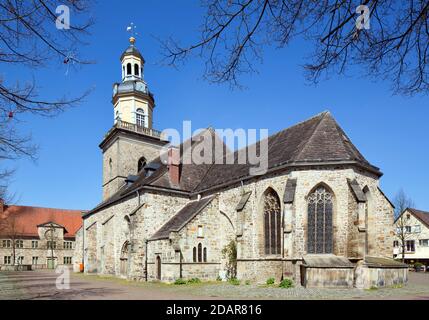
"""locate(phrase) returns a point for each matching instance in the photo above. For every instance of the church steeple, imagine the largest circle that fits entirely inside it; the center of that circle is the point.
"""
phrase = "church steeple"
(132, 142)
(133, 102)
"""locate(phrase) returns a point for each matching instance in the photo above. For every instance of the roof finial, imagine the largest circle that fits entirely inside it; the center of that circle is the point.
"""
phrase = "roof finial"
(132, 29)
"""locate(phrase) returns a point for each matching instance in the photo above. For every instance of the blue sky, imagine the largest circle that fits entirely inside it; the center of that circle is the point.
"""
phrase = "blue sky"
(391, 131)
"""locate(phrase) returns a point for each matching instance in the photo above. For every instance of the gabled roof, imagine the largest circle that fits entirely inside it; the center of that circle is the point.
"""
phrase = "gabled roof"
(316, 141)
(423, 216)
(181, 218)
(26, 220)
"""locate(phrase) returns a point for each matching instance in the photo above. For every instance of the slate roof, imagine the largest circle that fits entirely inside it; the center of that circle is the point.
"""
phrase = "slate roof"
(132, 50)
(423, 216)
(27, 219)
(181, 218)
(318, 140)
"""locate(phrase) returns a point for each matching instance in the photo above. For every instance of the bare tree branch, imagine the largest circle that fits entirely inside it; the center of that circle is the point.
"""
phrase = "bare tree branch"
(234, 33)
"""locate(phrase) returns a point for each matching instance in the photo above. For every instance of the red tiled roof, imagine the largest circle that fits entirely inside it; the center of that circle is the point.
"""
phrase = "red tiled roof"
(28, 218)
(423, 216)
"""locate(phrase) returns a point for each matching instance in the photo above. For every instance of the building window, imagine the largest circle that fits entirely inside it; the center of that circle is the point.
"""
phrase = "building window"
(395, 244)
(141, 164)
(200, 232)
(320, 210)
(140, 118)
(35, 261)
(67, 260)
(410, 246)
(128, 69)
(272, 223)
(200, 252)
(68, 245)
(34, 244)
(136, 69)
(52, 245)
(19, 244)
(424, 243)
(20, 260)
(205, 255)
(194, 254)
(6, 244)
(417, 229)
(7, 260)
(408, 229)
(408, 216)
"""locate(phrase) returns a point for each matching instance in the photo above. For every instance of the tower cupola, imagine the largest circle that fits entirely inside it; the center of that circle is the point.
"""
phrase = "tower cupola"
(132, 63)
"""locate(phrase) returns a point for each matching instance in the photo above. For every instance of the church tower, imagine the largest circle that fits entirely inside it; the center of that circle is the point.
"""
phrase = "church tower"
(132, 142)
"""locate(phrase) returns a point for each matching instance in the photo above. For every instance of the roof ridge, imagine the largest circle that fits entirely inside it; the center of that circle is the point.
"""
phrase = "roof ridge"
(45, 208)
(418, 210)
(322, 116)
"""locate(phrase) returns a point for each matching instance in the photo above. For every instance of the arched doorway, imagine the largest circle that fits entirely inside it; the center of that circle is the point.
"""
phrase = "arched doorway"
(158, 268)
(320, 225)
(124, 259)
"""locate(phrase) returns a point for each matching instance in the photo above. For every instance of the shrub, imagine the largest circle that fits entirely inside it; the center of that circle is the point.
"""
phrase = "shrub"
(286, 283)
(179, 281)
(234, 281)
(230, 253)
(218, 278)
(247, 282)
(194, 280)
(270, 281)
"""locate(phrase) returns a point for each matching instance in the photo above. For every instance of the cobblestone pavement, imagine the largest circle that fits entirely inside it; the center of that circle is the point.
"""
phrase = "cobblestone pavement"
(41, 285)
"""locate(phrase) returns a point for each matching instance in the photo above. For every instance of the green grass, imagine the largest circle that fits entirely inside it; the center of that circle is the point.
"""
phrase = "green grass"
(234, 282)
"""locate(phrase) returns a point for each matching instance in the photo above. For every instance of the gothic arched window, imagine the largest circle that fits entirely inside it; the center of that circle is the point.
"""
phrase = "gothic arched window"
(320, 210)
(272, 223)
(141, 164)
(128, 69)
(194, 254)
(136, 70)
(205, 255)
(140, 118)
(200, 252)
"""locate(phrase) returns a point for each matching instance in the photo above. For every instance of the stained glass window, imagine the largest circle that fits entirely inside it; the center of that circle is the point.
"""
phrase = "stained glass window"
(320, 206)
(272, 223)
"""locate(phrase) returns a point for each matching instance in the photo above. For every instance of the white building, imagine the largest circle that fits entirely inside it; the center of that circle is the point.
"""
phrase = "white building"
(415, 224)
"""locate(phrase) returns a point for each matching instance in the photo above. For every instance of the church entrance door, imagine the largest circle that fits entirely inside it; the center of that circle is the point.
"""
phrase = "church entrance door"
(124, 260)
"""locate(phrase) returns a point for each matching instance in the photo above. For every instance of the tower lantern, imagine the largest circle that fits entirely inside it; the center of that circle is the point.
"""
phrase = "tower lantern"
(132, 101)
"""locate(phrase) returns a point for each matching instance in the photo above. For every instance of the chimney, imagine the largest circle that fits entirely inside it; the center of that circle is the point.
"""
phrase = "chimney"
(174, 165)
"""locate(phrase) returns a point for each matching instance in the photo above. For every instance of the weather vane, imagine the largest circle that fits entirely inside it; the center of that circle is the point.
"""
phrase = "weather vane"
(132, 29)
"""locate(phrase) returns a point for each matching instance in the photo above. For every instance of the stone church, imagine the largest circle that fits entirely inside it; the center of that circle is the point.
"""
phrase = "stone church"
(317, 216)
